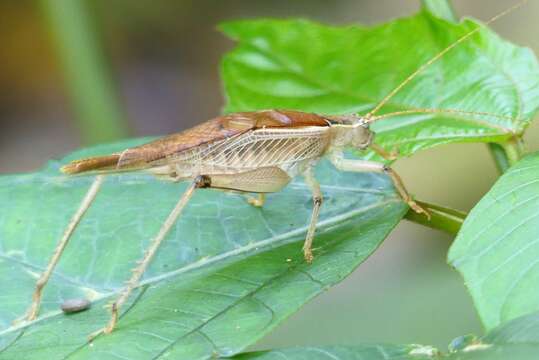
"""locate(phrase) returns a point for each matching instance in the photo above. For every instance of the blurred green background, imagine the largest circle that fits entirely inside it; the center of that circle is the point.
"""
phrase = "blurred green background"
(73, 73)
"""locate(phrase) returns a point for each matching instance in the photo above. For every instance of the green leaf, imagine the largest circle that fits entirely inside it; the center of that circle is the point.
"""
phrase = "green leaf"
(497, 248)
(226, 275)
(362, 352)
(515, 340)
(299, 64)
(522, 330)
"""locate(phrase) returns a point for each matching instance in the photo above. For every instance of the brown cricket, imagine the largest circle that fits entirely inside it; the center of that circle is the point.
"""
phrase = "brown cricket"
(252, 152)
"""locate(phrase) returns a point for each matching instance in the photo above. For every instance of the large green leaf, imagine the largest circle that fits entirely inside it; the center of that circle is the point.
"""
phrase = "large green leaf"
(515, 340)
(300, 64)
(226, 275)
(497, 249)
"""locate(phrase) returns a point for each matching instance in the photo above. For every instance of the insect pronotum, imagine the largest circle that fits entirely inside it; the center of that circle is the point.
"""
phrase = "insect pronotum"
(252, 152)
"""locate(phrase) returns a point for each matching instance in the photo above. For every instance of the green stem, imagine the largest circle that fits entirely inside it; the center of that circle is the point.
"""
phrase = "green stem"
(441, 218)
(500, 157)
(99, 115)
(507, 154)
(514, 149)
(441, 8)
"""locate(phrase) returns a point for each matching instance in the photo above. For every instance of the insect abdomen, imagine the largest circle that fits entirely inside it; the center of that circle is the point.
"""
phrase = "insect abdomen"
(108, 162)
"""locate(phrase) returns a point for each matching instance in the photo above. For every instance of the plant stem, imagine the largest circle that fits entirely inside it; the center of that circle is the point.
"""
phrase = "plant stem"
(442, 218)
(99, 115)
(514, 149)
(506, 154)
(500, 157)
(441, 8)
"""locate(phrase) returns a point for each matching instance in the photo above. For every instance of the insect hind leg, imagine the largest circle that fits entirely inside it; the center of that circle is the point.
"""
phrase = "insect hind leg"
(33, 310)
(133, 282)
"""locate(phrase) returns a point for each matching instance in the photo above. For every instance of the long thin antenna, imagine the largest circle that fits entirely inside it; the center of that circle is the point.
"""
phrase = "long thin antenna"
(437, 57)
(437, 111)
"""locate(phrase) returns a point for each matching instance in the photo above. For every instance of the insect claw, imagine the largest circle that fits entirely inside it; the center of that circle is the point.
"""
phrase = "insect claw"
(308, 255)
(95, 334)
(20, 321)
(394, 153)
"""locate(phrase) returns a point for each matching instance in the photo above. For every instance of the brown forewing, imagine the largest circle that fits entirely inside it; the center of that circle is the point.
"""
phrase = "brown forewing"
(214, 130)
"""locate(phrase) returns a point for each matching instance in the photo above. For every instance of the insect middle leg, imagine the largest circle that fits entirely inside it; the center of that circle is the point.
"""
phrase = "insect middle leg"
(33, 310)
(259, 180)
(365, 166)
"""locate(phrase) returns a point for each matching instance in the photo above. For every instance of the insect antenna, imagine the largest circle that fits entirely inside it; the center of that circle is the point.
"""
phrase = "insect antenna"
(438, 111)
(438, 56)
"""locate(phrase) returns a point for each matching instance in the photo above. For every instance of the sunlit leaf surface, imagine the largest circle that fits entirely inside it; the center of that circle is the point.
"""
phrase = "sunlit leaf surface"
(304, 65)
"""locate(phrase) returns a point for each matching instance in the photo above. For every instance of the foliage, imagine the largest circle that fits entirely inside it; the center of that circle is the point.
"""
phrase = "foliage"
(303, 65)
(229, 273)
(497, 248)
(225, 269)
(515, 340)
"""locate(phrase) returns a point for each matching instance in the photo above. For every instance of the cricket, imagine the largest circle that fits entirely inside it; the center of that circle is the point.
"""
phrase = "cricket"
(256, 152)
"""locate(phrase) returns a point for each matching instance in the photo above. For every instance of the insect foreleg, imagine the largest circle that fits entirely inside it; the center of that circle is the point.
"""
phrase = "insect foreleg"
(365, 166)
(388, 155)
(33, 310)
(133, 282)
(313, 184)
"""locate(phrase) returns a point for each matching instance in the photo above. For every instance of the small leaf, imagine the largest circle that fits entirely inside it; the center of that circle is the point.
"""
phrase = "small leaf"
(515, 340)
(497, 249)
(361, 352)
(226, 275)
(299, 64)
